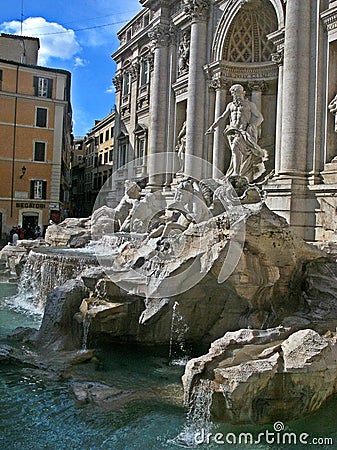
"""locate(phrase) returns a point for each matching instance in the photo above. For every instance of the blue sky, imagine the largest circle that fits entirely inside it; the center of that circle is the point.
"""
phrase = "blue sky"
(85, 53)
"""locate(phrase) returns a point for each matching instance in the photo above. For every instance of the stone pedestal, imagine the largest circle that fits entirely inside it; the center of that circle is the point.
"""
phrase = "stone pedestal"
(293, 200)
(330, 173)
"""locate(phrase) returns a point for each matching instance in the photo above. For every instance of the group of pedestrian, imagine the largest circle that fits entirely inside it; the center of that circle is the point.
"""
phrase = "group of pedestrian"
(18, 232)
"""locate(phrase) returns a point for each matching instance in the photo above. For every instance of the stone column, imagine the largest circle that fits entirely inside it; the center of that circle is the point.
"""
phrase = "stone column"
(220, 86)
(257, 88)
(295, 108)
(197, 10)
(134, 73)
(160, 36)
(278, 58)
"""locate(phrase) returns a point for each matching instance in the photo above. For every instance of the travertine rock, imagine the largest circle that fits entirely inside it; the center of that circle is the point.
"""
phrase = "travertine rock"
(59, 329)
(259, 376)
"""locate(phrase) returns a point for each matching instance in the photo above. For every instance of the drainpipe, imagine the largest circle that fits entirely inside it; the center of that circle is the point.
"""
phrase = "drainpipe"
(14, 138)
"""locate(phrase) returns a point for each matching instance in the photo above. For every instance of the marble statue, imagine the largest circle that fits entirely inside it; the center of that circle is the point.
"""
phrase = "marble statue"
(242, 135)
(184, 54)
(333, 109)
(180, 147)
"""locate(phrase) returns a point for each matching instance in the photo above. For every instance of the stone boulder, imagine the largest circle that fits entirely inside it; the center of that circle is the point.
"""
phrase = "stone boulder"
(261, 376)
(71, 232)
(59, 329)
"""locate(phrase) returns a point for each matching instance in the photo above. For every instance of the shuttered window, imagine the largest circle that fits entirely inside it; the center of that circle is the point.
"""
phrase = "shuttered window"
(38, 189)
(40, 151)
(41, 117)
(43, 87)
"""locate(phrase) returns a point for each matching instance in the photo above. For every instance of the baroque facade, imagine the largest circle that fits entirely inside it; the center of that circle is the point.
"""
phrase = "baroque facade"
(176, 62)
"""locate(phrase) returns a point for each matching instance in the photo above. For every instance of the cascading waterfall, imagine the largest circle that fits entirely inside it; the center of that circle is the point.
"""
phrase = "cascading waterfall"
(47, 269)
(86, 327)
(179, 328)
(198, 419)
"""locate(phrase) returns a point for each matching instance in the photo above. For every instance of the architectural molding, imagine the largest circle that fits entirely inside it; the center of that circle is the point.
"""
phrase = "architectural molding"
(261, 71)
(329, 18)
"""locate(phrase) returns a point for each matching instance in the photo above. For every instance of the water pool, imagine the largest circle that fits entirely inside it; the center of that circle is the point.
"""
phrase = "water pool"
(38, 412)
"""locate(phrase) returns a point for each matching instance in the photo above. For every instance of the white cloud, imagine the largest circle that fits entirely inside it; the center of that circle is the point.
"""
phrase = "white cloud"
(55, 40)
(79, 62)
(111, 89)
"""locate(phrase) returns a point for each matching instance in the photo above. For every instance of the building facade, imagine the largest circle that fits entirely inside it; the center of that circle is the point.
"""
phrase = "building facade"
(36, 137)
(176, 62)
(92, 165)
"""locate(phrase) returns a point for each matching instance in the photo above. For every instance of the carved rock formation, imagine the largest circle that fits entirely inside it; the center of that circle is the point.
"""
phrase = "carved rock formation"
(270, 285)
(261, 376)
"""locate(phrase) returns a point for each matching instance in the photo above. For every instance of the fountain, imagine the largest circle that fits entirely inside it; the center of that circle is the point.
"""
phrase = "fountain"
(177, 351)
(47, 268)
(198, 418)
(86, 326)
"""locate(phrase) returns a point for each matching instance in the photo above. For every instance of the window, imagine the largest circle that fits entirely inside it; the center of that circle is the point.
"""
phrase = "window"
(39, 151)
(126, 84)
(101, 138)
(107, 135)
(43, 87)
(106, 156)
(112, 132)
(38, 189)
(110, 155)
(122, 154)
(41, 117)
(140, 151)
(144, 72)
(146, 20)
(0, 80)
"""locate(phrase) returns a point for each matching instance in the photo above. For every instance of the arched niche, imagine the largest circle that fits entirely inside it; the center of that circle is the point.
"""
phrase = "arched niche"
(230, 13)
(242, 53)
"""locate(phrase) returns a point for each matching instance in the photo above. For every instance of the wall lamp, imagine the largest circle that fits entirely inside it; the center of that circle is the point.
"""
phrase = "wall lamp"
(23, 171)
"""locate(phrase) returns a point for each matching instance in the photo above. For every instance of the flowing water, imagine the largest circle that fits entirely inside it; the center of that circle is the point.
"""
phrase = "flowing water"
(47, 268)
(38, 412)
(178, 350)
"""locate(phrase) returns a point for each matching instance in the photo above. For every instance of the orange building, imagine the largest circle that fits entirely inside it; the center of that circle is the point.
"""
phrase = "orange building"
(35, 136)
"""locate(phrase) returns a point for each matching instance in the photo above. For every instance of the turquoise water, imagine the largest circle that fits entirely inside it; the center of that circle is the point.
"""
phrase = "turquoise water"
(38, 412)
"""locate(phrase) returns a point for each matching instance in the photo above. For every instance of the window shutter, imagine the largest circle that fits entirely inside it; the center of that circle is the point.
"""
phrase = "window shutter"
(44, 190)
(50, 88)
(32, 182)
(36, 84)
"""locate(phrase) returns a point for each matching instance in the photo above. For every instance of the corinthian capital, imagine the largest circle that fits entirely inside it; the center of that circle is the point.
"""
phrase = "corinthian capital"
(117, 81)
(218, 82)
(196, 9)
(160, 35)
